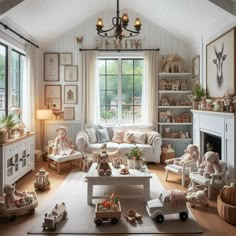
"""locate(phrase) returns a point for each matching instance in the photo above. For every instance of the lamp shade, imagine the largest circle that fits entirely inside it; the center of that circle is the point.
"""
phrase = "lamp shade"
(44, 114)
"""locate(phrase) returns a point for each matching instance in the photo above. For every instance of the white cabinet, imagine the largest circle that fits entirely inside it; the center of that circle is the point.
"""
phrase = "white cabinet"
(16, 159)
(175, 119)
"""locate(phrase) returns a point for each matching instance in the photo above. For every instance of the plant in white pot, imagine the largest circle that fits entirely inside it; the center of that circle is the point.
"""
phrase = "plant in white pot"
(135, 155)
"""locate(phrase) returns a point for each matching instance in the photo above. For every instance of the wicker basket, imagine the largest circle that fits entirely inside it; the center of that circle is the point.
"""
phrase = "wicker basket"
(166, 156)
(226, 211)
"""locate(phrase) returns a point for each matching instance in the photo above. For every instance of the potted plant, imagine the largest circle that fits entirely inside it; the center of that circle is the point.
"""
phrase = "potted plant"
(198, 94)
(8, 122)
(135, 156)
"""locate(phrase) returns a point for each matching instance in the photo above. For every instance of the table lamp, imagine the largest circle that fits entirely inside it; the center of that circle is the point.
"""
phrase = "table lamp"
(42, 115)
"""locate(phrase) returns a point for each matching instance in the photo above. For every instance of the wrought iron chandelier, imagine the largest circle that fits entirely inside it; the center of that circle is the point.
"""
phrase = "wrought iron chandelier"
(120, 25)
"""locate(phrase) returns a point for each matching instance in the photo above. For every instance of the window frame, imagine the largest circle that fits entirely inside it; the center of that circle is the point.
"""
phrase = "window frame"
(119, 57)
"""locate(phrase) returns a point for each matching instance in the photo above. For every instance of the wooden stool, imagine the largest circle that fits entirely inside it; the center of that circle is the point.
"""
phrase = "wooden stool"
(57, 160)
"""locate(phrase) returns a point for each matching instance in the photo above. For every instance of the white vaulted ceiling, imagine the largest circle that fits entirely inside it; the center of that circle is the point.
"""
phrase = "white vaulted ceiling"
(45, 20)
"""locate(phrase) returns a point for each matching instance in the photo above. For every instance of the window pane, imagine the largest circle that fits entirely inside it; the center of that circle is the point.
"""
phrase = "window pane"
(112, 98)
(138, 80)
(2, 77)
(112, 82)
(101, 67)
(102, 82)
(112, 67)
(137, 113)
(2, 99)
(127, 97)
(127, 114)
(127, 66)
(102, 98)
(127, 82)
(138, 67)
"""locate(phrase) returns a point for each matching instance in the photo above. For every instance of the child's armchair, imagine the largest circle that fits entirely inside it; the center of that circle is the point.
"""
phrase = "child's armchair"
(185, 164)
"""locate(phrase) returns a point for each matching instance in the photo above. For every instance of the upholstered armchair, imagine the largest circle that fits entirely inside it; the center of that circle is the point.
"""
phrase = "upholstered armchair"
(216, 180)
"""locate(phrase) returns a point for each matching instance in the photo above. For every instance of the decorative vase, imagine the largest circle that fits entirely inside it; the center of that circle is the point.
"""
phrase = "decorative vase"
(131, 163)
(137, 164)
(195, 105)
(3, 137)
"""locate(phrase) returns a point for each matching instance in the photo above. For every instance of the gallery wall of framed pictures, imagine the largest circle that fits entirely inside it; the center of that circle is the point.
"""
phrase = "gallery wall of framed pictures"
(61, 84)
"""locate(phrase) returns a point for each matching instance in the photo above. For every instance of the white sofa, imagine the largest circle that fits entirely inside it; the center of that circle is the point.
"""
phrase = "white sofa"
(121, 139)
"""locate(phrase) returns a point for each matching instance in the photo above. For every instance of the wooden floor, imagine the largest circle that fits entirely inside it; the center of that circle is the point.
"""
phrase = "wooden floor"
(208, 218)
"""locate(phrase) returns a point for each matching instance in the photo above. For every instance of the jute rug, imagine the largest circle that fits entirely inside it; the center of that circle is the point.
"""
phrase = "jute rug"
(80, 215)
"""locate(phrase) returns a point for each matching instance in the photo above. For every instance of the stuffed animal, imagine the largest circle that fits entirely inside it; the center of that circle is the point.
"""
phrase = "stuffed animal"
(103, 166)
(198, 197)
(210, 164)
(12, 196)
(190, 154)
(62, 144)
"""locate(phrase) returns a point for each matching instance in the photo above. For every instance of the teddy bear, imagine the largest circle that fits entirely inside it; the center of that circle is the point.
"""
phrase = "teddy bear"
(210, 164)
(190, 154)
(198, 197)
(12, 196)
(103, 167)
(62, 144)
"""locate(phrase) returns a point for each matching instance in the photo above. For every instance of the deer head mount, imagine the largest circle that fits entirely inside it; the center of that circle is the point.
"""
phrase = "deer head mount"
(220, 58)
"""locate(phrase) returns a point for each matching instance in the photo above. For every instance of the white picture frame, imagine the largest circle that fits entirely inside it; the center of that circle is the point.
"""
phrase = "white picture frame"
(70, 94)
(51, 67)
(69, 113)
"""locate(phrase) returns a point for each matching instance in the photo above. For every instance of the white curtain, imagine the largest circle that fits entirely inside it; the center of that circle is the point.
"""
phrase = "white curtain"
(150, 86)
(30, 87)
(90, 91)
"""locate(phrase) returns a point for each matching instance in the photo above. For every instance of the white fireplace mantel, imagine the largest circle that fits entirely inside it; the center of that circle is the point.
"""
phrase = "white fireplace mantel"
(221, 124)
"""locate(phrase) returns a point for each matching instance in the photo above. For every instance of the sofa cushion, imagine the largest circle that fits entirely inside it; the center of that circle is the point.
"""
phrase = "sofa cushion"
(139, 137)
(118, 135)
(128, 136)
(151, 135)
(92, 135)
(102, 135)
(147, 149)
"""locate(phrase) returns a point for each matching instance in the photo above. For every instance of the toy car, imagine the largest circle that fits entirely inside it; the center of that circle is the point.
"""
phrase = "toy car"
(13, 212)
(161, 206)
(51, 220)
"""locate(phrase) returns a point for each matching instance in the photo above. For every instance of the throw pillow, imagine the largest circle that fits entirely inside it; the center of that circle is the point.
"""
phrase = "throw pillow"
(118, 136)
(102, 135)
(151, 135)
(128, 136)
(92, 135)
(139, 137)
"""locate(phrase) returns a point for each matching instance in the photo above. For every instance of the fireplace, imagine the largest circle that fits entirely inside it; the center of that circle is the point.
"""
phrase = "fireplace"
(210, 142)
(218, 128)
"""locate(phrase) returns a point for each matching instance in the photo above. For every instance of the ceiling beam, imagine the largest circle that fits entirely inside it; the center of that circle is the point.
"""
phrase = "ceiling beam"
(227, 5)
(6, 5)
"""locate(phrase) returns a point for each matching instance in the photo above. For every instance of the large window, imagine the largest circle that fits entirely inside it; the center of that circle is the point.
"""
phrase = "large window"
(17, 75)
(120, 87)
(12, 72)
(3, 76)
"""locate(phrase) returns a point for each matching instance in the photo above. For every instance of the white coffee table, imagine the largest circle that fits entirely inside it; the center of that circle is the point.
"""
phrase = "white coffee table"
(135, 177)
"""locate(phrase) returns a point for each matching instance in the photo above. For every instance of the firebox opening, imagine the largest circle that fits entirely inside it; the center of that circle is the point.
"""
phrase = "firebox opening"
(211, 143)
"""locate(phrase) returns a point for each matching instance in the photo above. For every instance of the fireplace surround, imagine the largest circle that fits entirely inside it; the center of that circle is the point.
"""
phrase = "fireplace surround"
(221, 125)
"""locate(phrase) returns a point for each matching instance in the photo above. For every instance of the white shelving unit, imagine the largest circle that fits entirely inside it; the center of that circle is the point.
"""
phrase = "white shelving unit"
(174, 89)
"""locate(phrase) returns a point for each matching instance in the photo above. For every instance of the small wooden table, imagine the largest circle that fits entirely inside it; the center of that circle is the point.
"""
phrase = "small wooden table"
(135, 177)
(58, 159)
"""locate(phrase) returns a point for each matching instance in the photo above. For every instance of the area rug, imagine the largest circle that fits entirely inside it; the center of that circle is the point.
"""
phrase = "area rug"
(80, 215)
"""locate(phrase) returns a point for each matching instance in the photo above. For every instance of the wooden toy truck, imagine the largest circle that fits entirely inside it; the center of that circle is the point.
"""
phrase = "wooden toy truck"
(51, 220)
(108, 215)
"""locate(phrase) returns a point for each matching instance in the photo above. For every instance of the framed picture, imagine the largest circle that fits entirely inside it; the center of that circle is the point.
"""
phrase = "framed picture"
(70, 94)
(71, 73)
(65, 58)
(196, 67)
(52, 95)
(220, 65)
(51, 67)
(69, 113)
